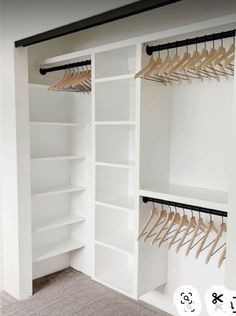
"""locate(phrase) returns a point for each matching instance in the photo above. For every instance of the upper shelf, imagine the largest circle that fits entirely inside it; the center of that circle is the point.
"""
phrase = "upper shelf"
(59, 124)
(58, 158)
(57, 190)
(114, 78)
(212, 199)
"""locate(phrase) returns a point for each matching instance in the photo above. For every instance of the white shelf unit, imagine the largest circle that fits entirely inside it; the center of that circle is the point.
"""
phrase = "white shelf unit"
(184, 157)
(60, 139)
(115, 166)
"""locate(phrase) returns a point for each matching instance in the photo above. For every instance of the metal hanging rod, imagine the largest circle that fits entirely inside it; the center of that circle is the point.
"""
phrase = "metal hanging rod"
(186, 206)
(43, 71)
(196, 40)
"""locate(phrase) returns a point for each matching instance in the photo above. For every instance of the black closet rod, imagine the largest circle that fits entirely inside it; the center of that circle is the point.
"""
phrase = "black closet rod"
(185, 206)
(43, 71)
(196, 40)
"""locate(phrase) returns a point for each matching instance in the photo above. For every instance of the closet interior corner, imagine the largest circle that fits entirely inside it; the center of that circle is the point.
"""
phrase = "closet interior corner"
(127, 144)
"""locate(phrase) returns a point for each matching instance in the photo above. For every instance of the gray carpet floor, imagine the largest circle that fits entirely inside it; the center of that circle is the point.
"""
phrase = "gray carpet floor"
(70, 293)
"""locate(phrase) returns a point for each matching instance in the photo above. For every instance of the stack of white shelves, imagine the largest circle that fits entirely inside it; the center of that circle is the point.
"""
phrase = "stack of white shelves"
(60, 148)
(115, 124)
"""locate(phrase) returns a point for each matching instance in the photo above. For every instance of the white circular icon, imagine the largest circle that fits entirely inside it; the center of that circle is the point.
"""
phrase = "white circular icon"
(187, 301)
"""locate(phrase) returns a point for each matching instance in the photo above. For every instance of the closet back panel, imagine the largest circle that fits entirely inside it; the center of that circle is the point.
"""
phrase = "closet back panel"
(116, 62)
(115, 144)
(115, 100)
(115, 228)
(115, 186)
(56, 106)
(200, 134)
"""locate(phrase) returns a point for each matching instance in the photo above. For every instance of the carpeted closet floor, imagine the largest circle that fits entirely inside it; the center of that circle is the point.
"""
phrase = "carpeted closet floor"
(70, 293)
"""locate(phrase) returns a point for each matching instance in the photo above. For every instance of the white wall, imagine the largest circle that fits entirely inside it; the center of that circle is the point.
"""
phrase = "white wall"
(24, 18)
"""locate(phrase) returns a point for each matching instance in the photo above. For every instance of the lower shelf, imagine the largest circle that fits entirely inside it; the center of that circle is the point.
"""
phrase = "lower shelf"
(55, 249)
(120, 281)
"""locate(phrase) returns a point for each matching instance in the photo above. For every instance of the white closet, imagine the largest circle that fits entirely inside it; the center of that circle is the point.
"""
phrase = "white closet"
(94, 156)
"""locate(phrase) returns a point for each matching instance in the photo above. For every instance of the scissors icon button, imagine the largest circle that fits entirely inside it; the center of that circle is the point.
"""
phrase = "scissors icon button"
(217, 298)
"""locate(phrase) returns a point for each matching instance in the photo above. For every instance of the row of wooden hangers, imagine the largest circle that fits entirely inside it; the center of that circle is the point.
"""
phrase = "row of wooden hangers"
(76, 79)
(209, 63)
(181, 230)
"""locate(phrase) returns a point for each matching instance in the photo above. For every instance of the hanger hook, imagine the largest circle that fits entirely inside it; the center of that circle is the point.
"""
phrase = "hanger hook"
(210, 217)
(213, 42)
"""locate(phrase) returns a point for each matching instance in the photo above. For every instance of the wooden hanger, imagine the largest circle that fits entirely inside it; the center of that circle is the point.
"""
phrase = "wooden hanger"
(210, 227)
(208, 63)
(62, 85)
(184, 222)
(83, 81)
(222, 257)
(200, 226)
(165, 62)
(175, 59)
(191, 225)
(168, 219)
(162, 215)
(145, 68)
(152, 69)
(186, 57)
(222, 229)
(228, 53)
(175, 220)
(53, 86)
(154, 212)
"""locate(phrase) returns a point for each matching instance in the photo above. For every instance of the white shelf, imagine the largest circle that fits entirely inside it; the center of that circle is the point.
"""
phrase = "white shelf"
(55, 249)
(112, 244)
(122, 165)
(120, 208)
(113, 78)
(60, 124)
(207, 198)
(106, 281)
(58, 190)
(126, 203)
(115, 123)
(49, 158)
(69, 219)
